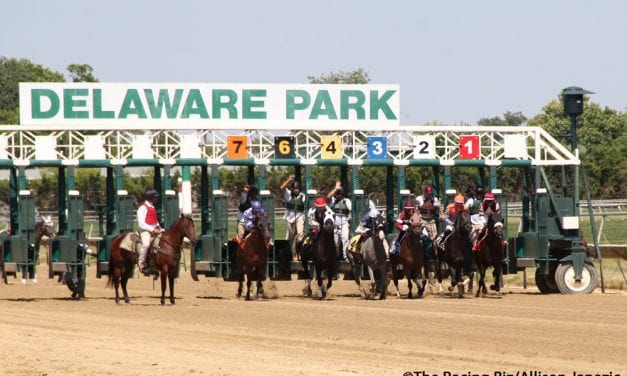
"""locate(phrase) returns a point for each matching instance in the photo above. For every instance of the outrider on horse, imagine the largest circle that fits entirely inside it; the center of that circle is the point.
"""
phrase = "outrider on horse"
(164, 256)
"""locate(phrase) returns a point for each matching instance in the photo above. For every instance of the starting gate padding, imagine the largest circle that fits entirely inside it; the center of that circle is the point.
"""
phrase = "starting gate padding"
(68, 249)
(210, 255)
(20, 253)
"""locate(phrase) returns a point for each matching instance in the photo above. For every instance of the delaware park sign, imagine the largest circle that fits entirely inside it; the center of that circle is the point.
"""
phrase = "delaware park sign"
(206, 105)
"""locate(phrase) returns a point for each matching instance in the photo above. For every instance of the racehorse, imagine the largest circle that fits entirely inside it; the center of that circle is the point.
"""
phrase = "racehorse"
(322, 253)
(122, 261)
(373, 256)
(491, 253)
(458, 253)
(252, 257)
(412, 257)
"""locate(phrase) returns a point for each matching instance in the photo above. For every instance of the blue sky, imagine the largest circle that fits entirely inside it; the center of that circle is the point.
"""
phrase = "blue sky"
(455, 61)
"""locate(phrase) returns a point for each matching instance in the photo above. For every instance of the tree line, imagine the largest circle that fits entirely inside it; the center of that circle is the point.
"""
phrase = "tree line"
(602, 137)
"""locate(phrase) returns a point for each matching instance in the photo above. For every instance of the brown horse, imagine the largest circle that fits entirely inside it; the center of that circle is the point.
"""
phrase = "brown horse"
(252, 257)
(412, 257)
(457, 253)
(491, 253)
(166, 260)
(322, 253)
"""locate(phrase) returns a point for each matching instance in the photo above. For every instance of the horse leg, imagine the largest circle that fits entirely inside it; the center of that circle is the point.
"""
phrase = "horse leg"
(395, 278)
(383, 281)
(408, 275)
(307, 289)
(116, 282)
(259, 284)
(481, 288)
(171, 273)
(321, 290)
(241, 283)
(373, 280)
(249, 282)
(124, 282)
(164, 276)
(497, 274)
(461, 282)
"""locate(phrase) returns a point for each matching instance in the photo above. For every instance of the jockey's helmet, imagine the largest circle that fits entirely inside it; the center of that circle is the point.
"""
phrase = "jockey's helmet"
(365, 218)
(408, 205)
(489, 196)
(151, 193)
(256, 205)
(459, 199)
(296, 186)
(339, 193)
(428, 191)
(320, 202)
(479, 190)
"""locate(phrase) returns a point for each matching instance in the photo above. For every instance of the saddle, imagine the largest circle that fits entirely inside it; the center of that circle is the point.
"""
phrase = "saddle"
(131, 242)
(355, 245)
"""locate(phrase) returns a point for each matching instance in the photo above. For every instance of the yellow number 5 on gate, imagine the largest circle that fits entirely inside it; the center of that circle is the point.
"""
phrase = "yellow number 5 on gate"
(331, 147)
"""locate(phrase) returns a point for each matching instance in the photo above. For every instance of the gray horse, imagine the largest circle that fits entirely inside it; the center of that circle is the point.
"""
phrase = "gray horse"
(374, 257)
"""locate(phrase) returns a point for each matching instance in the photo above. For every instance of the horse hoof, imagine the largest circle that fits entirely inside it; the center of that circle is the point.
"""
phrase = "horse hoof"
(450, 288)
(172, 301)
(495, 288)
(162, 301)
(117, 300)
(127, 300)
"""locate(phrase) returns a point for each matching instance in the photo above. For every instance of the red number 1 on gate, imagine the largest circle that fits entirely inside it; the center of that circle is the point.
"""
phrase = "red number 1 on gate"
(469, 147)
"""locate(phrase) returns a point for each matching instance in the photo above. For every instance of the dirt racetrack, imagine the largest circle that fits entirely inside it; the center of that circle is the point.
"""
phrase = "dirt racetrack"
(209, 331)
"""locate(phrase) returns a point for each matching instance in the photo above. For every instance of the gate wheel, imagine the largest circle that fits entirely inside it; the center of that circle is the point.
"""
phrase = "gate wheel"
(566, 283)
(546, 282)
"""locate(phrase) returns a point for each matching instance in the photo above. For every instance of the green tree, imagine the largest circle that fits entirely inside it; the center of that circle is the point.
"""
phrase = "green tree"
(81, 73)
(14, 71)
(509, 119)
(357, 76)
(602, 136)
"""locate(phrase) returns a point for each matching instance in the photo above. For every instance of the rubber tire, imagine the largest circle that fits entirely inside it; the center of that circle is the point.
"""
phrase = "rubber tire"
(566, 284)
(546, 283)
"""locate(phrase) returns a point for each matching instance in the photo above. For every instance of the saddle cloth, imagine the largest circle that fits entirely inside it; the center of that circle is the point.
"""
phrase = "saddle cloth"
(132, 242)
(355, 245)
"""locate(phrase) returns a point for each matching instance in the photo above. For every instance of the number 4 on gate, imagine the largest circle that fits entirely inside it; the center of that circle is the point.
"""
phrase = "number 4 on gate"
(331, 147)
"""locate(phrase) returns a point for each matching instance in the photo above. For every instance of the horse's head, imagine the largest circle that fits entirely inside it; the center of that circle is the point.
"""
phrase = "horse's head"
(328, 221)
(416, 222)
(47, 226)
(263, 225)
(189, 229)
(462, 223)
(378, 224)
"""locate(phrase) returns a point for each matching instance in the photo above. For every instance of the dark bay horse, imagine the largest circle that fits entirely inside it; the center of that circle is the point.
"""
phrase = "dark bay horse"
(491, 253)
(373, 256)
(166, 260)
(412, 257)
(252, 257)
(458, 253)
(323, 255)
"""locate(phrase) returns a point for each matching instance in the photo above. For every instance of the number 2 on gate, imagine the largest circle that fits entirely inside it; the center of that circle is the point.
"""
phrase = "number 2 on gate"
(331, 147)
(236, 147)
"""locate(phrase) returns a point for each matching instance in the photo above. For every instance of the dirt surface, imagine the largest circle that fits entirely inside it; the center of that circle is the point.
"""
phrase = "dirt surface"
(210, 331)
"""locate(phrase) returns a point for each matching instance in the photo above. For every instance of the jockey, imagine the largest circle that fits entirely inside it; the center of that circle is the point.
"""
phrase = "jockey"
(148, 222)
(402, 224)
(490, 206)
(248, 195)
(453, 210)
(428, 205)
(294, 212)
(316, 216)
(342, 207)
(250, 216)
(473, 203)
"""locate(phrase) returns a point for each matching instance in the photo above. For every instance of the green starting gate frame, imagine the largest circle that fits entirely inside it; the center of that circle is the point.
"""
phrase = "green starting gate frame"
(19, 246)
(548, 221)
